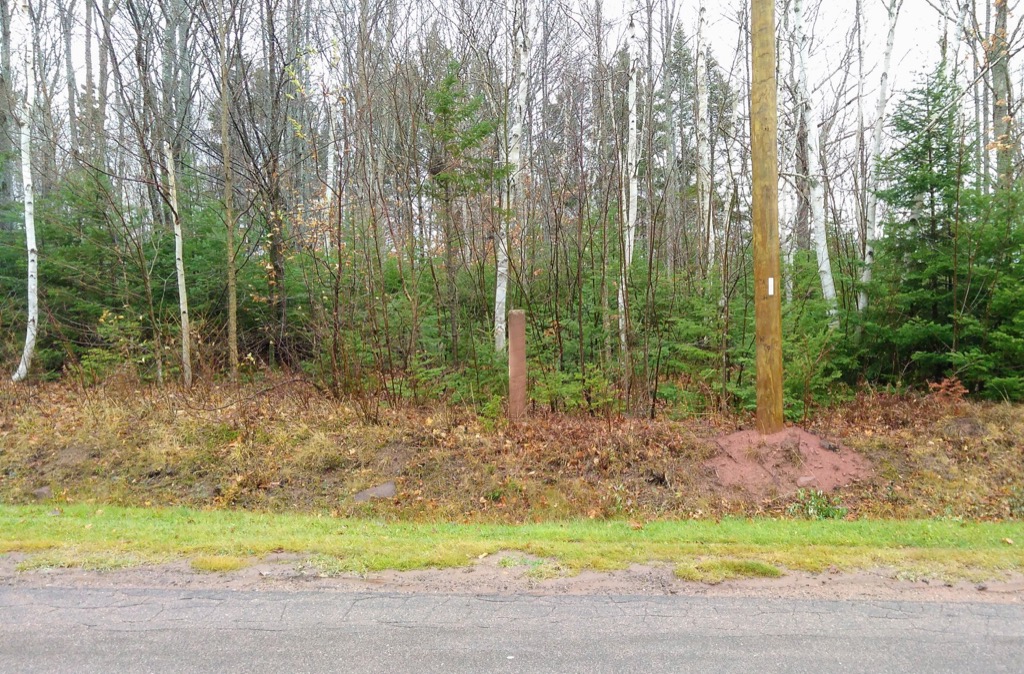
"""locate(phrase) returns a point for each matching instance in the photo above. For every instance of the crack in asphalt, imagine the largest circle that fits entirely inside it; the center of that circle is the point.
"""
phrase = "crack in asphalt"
(133, 629)
(95, 607)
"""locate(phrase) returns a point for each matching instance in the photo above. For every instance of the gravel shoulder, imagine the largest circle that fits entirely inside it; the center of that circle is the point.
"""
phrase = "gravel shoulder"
(518, 574)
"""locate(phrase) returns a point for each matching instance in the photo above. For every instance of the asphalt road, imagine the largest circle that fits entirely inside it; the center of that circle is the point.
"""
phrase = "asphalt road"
(147, 630)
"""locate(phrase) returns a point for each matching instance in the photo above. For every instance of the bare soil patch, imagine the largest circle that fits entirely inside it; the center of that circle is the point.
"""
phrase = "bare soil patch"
(778, 465)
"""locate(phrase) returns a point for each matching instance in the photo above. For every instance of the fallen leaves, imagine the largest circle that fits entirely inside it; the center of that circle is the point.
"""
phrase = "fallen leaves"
(286, 448)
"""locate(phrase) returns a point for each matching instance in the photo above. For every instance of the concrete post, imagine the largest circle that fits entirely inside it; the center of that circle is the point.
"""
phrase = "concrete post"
(516, 365)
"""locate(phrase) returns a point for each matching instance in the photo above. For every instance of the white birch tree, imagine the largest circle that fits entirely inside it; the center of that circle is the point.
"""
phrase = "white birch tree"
(629, 199)
(789, 201)
(517, 112)
(705, 218)
(179, 268)
(6, 142)
(871, 187)
(814, 177)
(1002, 108)
(25, 131)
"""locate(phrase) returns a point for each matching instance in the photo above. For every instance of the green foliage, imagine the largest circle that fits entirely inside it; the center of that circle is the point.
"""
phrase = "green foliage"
(947, 285)
(121, 346)
(574, 392)
(399, 307)
(813, 504)
(458, 133)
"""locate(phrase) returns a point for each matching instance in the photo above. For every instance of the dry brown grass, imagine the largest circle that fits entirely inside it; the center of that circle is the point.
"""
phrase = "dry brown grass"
(281, 445)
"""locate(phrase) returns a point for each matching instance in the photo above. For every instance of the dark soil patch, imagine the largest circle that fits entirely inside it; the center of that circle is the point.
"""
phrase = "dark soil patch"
(763, 466)
(73, 456)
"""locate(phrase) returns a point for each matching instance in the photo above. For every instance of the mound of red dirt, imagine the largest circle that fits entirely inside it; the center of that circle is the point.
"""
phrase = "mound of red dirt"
(775, 465)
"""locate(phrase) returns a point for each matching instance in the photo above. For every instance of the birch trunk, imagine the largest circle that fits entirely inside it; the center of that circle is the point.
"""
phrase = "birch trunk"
(630, 199)
(179, 266)
(871, 186)
(330, 192)
(789, 206)
(183, 64)
(515, 145)
(671, 148)
(789, 199)
(1001, 93)
(705, 218)
(986, 107)
(814, 178)
(89, 82)
(970, 33)
(600, 83)
(168, 58)
(103, 74)
(6, 91)
(25, 130)
(67, 16)
(862, 150)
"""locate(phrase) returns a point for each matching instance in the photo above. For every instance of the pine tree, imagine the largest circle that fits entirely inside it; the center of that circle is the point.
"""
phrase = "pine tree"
(923, 177)
(460, 167)
(947, 264)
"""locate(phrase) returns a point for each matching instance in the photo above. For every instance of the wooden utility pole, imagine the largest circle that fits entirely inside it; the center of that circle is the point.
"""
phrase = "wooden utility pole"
(765, 160)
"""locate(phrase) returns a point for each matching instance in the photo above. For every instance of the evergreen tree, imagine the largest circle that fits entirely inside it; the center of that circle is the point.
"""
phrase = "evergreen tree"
(947, 260)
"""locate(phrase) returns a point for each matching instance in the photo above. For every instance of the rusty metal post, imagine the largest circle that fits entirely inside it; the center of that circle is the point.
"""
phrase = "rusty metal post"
(516, 365)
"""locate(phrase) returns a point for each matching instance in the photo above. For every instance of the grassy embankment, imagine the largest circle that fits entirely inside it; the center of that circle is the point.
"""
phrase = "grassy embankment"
(143, 474)
(281, 446)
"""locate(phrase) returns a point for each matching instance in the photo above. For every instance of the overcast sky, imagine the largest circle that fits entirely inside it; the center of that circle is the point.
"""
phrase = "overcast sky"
(917, 36)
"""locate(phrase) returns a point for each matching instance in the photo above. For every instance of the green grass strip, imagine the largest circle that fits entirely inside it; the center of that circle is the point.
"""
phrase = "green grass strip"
(110, 537)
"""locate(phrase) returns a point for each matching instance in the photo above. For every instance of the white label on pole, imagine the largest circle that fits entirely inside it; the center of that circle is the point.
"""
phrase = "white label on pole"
(771, 286)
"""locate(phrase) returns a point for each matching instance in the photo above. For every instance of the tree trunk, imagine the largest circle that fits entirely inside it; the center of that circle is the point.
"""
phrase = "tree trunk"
(705, 217)
(169, 54)
(629, 207)
(980, 140)
(861, 149)
(179, 267)
(67, 15)
(1001, 99)
(229, 219)
(814, 177)
(104, 82)
(7, 100)
(986, 108)
(274, 195)
(871, 186)
(25, 128)
(183, 70)
(789, 199)
(515, 143)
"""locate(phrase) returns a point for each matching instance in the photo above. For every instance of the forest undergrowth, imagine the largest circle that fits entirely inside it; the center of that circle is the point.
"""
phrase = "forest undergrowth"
(281, 445)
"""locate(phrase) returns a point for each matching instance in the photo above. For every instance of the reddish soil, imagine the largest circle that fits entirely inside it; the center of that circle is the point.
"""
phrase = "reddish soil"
(780, 464)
